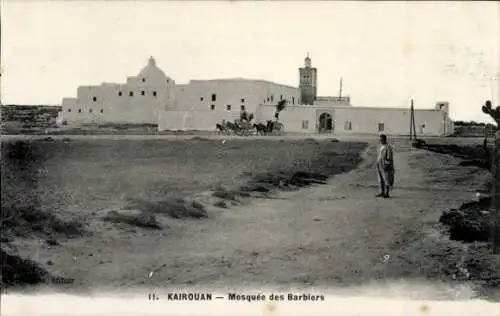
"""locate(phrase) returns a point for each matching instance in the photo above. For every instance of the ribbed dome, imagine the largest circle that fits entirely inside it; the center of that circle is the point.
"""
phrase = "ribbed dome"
(151, 73)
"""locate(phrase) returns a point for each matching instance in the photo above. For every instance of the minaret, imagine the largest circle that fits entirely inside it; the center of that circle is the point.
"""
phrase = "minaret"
(308, 77)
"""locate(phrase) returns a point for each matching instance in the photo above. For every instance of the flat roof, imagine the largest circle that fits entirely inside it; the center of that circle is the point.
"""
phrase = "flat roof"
(350, 107)
(240, 80)
(385, 108)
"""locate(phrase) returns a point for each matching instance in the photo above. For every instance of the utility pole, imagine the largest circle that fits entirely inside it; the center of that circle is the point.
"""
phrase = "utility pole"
(411, 119)
(413, 131)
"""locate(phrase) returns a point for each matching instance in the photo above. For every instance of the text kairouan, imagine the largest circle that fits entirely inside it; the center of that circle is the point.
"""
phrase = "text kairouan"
(189, 296)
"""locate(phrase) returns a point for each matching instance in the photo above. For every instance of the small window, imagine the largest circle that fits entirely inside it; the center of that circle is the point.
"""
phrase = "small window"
(228, 107)
(347, 125)
(381, 127)
(94, 99)
(154, 93)
(214, 97)
(293, 100)
(272, 98)
(267, 99)
(102, 111)
(143, 93)
(243, 108)
(69, 110)
(305, 124)
(167, 81)
(212, 107)
(79, 110)
(131, 93)
(201, 99)
(281, 97)
(143, 79)
(243, 100)
(90, 110)
(119, 93)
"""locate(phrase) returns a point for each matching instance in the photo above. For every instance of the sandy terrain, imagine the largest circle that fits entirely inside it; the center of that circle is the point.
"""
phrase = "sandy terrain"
(337, 234)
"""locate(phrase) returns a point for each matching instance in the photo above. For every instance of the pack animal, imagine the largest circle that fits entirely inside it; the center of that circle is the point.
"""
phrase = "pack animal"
(260, 129)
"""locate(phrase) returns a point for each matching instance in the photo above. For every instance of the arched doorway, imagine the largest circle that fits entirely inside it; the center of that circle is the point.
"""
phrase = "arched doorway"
(325, 123)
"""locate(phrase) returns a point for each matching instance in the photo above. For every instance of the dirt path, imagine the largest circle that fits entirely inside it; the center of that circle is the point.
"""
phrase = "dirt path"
(327, 235)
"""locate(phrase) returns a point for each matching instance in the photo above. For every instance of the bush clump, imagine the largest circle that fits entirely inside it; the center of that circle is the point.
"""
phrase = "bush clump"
(175, 208)
(470, 222)
(17, 271)
(142, 219)
(31, 219)
(473, 155)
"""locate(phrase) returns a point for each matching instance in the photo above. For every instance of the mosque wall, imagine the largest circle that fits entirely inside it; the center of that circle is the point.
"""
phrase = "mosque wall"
(136, 102)
(154, 98)
(201, 104)
(295, 118)
(200, 120)
(390, 121)
(361, 120)
(232, 95)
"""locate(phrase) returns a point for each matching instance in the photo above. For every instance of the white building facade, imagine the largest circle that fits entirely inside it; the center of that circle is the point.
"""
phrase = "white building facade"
(202, 104)
(353, 120)
(152, 97)
(138, 101)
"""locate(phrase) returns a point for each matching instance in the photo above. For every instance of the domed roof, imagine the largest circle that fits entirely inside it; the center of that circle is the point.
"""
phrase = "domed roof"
(152, 73)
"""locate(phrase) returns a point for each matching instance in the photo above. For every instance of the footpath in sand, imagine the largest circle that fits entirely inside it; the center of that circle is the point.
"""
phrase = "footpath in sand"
(331, 235)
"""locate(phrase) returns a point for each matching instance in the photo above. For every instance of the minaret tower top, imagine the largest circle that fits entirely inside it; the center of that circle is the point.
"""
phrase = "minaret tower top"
(308, 76)
(307, 61)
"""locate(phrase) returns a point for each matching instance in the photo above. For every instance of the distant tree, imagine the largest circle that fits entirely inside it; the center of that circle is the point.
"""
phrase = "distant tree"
(493, 112)
(280, 106)
(246, 117)
(468, 123)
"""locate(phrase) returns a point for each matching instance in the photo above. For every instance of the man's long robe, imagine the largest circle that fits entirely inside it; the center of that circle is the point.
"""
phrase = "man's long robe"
(385, 165)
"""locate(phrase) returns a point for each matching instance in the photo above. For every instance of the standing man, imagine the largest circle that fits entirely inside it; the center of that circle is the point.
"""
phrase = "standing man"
(385, 167)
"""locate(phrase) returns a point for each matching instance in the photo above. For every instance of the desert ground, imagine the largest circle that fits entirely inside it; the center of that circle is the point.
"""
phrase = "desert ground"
(214, 212)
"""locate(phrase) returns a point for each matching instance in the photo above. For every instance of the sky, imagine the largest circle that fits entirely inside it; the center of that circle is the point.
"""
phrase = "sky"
(386, 52)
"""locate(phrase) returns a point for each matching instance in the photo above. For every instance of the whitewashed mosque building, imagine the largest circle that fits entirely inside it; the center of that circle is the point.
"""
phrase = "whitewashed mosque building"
(151, 97)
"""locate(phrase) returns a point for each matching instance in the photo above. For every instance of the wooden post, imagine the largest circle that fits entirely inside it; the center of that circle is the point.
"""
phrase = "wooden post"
(411, 120)
(495, 194)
